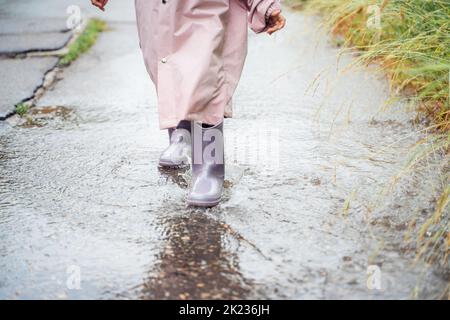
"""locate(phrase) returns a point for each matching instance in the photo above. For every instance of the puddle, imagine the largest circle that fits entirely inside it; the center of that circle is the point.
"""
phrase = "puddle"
(196, 262)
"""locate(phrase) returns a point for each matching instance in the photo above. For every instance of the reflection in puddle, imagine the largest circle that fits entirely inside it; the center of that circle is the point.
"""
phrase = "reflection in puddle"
(196, 263)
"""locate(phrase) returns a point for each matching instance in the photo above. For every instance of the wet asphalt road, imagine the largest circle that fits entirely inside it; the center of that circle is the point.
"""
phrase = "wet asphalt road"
(309, 153)
(37, 27)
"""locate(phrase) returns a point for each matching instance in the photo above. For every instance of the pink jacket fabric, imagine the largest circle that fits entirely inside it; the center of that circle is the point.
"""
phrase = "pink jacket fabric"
(194, 51)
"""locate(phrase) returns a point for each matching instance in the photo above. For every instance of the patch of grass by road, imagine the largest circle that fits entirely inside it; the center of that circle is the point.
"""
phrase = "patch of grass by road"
(84, 42)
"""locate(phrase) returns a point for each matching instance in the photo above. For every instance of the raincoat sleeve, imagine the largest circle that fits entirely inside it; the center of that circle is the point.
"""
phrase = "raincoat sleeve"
(259, 11)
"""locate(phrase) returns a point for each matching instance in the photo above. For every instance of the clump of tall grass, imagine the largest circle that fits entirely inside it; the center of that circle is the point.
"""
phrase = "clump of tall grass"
(412, 44)
(410, 40)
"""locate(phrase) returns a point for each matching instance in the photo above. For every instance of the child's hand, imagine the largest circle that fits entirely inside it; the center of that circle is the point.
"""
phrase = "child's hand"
(100, 4)
(276, 22)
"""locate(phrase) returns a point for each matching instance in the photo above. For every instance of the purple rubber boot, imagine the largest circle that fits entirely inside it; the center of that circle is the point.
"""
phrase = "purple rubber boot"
(178, 153)
(208, 165)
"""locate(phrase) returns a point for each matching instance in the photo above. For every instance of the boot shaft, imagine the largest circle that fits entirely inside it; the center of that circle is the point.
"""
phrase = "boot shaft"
(207, 146)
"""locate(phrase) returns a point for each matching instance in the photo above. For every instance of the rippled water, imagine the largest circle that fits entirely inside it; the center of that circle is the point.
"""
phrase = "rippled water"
(309, 153)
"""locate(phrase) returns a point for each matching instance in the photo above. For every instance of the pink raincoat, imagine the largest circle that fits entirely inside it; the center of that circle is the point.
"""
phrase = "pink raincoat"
(194, 51)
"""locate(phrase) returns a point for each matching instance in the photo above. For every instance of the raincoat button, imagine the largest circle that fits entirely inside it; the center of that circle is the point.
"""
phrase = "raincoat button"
(163, 60)
(164, 1)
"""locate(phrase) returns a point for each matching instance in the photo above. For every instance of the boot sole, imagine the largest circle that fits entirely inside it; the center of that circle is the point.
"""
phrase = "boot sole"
(203, 204)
